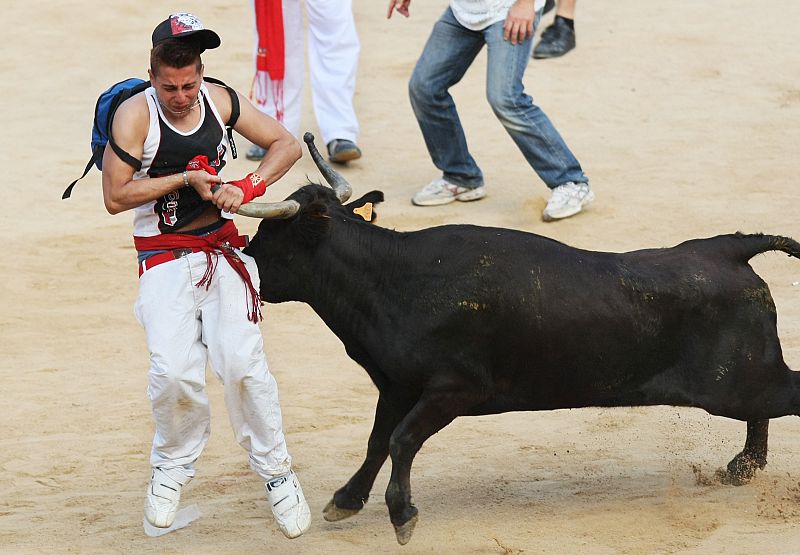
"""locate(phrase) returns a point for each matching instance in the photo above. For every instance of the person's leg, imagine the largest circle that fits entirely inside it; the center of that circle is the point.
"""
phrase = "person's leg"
(566, 8)
(237, 356)
(526, 123)
(236, 351)
(288, 96)
(333, 50)
(294, 40)
(559, 37)
(449, 51)
(165, 307)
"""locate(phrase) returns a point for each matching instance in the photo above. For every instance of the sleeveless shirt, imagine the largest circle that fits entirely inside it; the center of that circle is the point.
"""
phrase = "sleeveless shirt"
(167, 151)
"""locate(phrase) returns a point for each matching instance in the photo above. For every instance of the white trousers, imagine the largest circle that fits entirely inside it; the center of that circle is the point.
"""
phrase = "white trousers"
(186, 326)
(333, 49)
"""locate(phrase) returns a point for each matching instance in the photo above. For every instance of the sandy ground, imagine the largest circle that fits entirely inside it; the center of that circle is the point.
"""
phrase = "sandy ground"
(686, 117)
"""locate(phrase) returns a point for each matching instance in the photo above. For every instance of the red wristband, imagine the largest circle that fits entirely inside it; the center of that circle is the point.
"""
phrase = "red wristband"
(252, 185)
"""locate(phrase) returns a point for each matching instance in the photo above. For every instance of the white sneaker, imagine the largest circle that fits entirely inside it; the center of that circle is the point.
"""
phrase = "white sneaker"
(289, 505)
(440, 191)
(567, 200)
(161, 501)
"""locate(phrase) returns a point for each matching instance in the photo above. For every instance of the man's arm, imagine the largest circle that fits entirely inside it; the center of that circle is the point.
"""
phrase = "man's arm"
(283, 150)
(120, 191)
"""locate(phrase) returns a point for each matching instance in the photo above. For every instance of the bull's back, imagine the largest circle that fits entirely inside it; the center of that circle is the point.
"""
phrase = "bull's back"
(557, 326)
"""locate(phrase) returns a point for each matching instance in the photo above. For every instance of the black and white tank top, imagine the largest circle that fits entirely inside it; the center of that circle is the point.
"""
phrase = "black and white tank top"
(167, 151)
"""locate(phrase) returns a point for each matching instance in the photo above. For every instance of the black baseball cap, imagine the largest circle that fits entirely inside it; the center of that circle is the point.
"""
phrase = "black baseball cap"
(185, 25)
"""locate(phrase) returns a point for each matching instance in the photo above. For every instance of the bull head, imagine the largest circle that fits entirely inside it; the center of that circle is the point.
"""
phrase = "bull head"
(286, 209)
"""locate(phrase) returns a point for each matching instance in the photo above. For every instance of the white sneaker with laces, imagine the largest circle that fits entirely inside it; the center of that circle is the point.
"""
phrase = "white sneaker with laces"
(567, 200)
(289, 505)
(440, 191)
(161, 501)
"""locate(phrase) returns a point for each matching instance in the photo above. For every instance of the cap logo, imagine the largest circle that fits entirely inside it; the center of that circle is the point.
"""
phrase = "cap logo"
(184, 23)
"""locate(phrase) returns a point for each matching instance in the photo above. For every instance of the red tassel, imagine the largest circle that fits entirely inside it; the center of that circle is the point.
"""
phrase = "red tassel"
(211, 265)
(277, 94)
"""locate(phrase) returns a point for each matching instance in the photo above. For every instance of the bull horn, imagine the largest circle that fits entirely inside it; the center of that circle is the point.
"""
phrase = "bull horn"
(282, 210)
(266, 210)
(334, 178)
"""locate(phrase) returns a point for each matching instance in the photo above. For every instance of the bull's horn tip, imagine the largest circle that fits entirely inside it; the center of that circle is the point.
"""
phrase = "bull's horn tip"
(308, 137)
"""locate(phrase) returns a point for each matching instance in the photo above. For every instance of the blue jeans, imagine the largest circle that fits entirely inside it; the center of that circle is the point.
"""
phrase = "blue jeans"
(450, 50)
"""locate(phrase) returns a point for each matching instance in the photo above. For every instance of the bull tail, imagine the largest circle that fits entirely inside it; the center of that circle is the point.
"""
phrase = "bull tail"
(749, 245)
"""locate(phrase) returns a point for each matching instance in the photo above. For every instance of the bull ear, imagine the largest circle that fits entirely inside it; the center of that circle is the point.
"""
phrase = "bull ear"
(374, 197)
(365, 206)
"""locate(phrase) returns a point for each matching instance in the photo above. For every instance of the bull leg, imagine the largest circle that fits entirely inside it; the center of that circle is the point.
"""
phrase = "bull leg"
(350, 498)
(753, 457)
(433, 411)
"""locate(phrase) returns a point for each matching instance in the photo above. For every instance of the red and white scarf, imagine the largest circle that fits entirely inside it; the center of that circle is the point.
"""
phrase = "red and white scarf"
(270, 55)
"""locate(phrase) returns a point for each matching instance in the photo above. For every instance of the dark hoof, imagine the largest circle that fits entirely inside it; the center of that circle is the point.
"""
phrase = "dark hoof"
(332, 513)
(741, 470)
(404, 531)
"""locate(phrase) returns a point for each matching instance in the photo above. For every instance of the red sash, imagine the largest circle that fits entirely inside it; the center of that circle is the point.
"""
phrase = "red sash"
(221, 241)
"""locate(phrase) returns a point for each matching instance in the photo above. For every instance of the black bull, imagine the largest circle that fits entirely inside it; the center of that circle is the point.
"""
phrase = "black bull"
(463, 320)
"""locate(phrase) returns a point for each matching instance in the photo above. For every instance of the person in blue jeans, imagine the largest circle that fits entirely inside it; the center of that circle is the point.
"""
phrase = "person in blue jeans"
(506, 27)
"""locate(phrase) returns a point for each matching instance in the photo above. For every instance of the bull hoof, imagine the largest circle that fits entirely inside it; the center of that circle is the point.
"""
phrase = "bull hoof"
(404, 531)
(723, 476)
(741, 470)
(332, 513)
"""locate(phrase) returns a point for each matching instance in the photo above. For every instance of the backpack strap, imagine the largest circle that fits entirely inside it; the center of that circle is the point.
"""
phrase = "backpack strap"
(235, 111)
(135, 163)
(97, 152)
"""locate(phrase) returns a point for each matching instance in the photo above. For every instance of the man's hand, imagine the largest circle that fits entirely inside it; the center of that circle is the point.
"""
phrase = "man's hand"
(519, 21)
(400, 5)
(202, 182)
(228, 197)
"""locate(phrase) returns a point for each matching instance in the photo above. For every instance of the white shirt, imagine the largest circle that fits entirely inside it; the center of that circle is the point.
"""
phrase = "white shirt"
(476, 15)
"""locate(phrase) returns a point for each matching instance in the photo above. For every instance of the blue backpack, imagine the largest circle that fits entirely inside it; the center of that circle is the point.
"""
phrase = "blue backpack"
(106, 107)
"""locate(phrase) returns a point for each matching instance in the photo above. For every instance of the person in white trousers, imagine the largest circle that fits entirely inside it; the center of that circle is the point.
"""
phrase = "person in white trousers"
(198, 292)
(333, 49)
